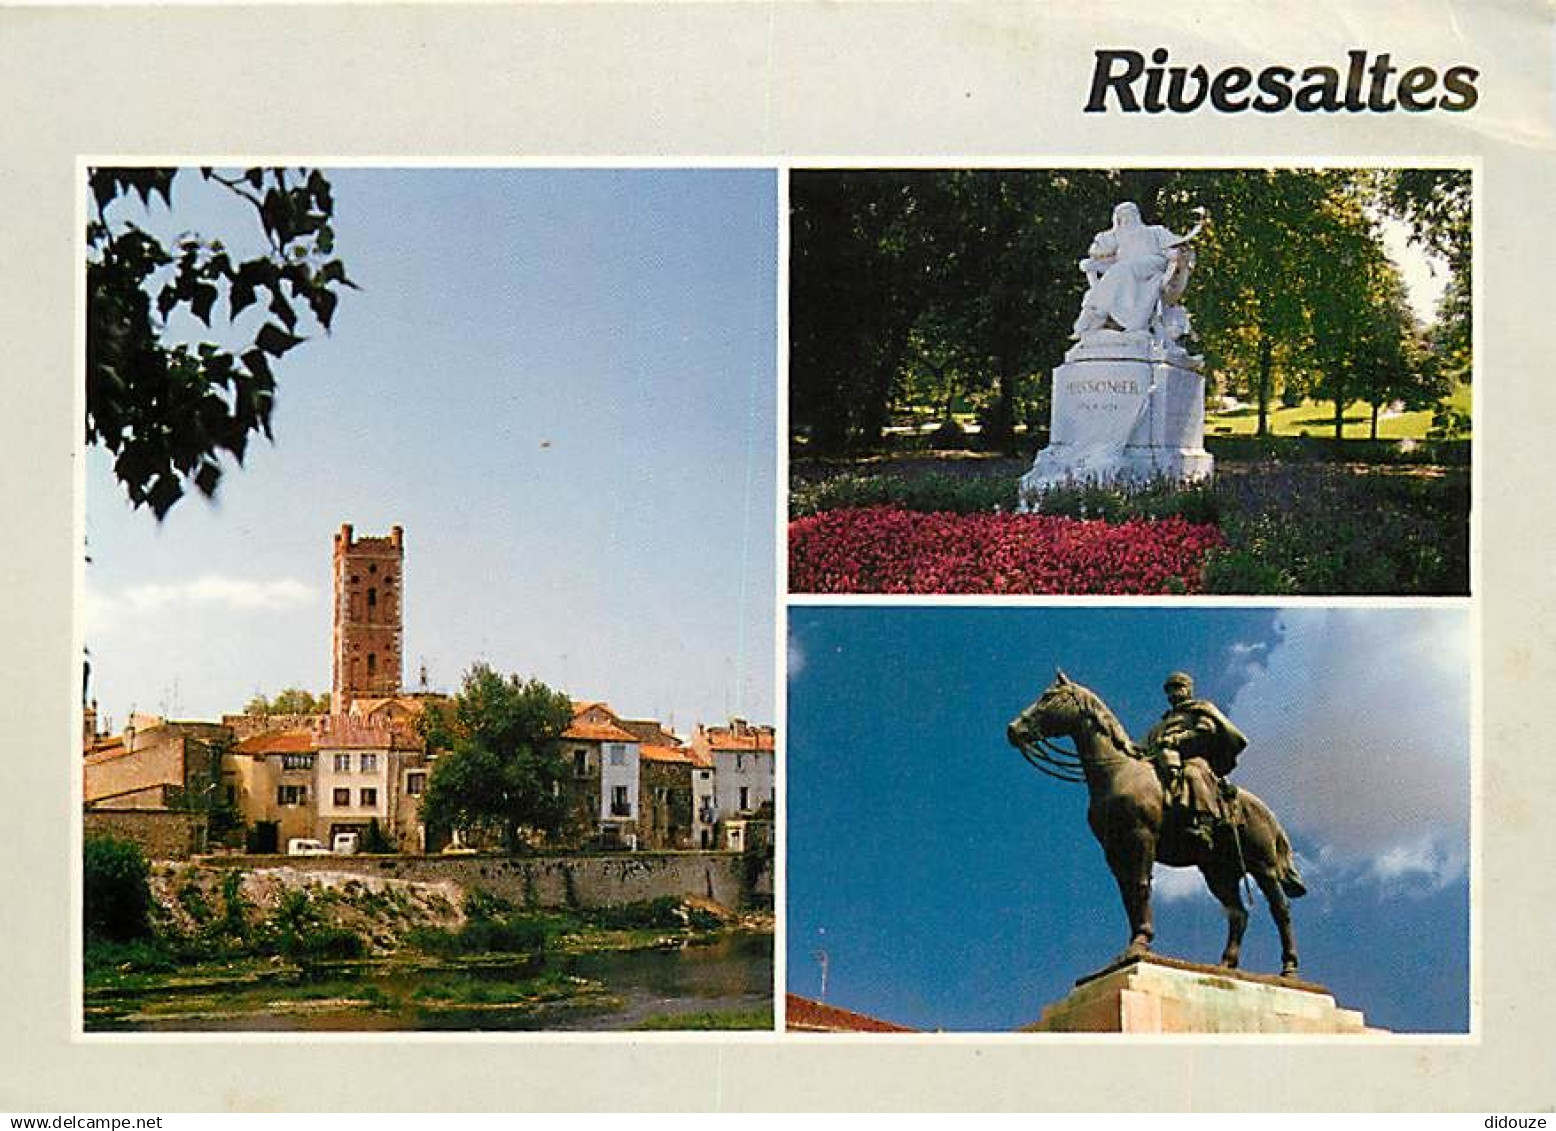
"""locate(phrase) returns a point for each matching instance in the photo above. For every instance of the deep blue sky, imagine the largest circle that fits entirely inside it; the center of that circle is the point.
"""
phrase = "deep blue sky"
(560, 382)
(953, 887)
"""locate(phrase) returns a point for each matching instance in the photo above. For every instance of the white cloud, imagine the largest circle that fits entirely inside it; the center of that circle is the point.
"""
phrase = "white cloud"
(796, 656)
(1174, 884)
(1358, 728)
(209, 592)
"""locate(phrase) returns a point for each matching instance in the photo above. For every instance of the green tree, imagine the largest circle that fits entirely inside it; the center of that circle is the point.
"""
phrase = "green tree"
(290, 701)
(499, 766)
(167, 410)
(115, 889)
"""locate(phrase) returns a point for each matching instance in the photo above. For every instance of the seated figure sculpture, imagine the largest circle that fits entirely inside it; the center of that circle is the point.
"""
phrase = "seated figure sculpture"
(1136, 272)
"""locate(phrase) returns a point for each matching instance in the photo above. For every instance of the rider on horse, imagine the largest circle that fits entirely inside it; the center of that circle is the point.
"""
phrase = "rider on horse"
(1195, 746)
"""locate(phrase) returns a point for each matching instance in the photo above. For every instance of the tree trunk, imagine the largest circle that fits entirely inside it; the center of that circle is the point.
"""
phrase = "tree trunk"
(1339, 414)
(1375, 407)
(1266, 357)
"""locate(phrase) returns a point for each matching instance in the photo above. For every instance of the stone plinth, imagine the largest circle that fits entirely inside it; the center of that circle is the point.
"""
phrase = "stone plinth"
(1123, 410)
(1163, 995)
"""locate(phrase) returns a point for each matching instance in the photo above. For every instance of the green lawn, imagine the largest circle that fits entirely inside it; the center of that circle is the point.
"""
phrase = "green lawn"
(1316, 418)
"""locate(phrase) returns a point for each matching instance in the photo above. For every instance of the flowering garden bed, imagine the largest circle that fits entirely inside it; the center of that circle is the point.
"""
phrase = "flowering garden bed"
(893, 550)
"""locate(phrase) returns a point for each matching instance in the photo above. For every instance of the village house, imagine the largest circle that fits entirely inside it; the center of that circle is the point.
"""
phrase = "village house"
(603, 759)
(742, 759)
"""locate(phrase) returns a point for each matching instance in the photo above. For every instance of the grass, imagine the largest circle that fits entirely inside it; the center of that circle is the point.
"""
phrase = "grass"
(1316, 418)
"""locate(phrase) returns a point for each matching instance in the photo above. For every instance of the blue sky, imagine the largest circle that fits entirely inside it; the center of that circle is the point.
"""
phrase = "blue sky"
(953, 887)
(560, 383)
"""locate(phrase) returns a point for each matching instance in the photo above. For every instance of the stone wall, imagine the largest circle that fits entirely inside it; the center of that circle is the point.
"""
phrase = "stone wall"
(162, 834)
(558, 881)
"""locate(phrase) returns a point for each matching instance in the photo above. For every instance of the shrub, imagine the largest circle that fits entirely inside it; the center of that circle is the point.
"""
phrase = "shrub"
(664, 913)
(148, 956)
(116, 893)
(885, 550)
(482, 904)
(934, 491)
(323, 943)
(1120, 502)
(1321, 530)
(508, 935)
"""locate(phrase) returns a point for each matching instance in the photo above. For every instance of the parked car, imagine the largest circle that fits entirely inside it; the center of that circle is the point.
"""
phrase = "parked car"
(345, 844)
(305, 846)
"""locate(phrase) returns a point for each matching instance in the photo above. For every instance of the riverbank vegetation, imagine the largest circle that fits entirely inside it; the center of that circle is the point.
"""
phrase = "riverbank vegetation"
(223, 948)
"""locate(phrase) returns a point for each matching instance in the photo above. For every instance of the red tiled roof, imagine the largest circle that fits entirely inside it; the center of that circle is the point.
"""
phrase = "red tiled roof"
(807, 1015)
(598, 732)
(675, 755)
(277, 742)
(727, 740)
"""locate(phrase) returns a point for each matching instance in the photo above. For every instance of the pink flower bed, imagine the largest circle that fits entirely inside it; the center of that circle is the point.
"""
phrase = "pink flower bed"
(887, 550)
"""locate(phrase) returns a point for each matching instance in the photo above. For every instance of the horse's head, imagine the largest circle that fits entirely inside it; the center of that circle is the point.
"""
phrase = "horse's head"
(1058, 710)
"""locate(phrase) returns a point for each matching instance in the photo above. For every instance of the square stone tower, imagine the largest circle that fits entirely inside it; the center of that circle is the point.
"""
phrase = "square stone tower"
(368, 618)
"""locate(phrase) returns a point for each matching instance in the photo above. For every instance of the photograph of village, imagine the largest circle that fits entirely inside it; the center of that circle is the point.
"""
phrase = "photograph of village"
(428, 604)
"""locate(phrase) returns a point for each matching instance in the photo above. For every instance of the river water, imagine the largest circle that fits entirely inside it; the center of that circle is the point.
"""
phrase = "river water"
(733, 974)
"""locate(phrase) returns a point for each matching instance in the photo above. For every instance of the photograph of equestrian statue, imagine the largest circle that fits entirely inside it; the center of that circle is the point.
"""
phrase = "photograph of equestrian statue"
(1130, 820)
(1130, 381)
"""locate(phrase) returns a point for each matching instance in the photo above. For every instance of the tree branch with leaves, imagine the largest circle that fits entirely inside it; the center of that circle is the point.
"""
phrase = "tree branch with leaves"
(169, 411)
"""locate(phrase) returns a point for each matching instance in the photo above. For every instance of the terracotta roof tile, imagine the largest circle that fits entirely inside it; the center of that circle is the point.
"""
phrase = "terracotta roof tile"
(725, 740)
(807, 1015)
(277, 742)
(598, 732)
(673, 755)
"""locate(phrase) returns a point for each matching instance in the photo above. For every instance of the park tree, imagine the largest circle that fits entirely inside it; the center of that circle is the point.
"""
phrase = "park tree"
(290, 701)
(855, 292)
(183, 335)
(498, 767)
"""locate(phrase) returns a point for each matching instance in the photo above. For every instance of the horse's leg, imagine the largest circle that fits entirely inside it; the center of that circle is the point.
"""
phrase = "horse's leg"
(1130, 860)
(1223, 884)
(1268, 879)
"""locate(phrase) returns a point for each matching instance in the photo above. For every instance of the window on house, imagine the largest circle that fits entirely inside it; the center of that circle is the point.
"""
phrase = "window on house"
(297, 761)
(372, 664)
(372, 569)
(415, 784)
(740, 760)
(369, 762)
(291, 795)
(619, 804)
(745, 797)
(232, 795)
(372, 598)
(342, 763)
(342, 798)
(618, 755)
(367, 797)
(580, 763)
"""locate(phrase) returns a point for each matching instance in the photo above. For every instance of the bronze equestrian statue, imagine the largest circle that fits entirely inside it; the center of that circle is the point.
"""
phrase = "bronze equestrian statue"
(1133, 815)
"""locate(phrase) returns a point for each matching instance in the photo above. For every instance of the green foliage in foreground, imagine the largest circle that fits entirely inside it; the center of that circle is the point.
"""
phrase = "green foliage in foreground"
(116, 891)
(927, 492)
(1307, 526)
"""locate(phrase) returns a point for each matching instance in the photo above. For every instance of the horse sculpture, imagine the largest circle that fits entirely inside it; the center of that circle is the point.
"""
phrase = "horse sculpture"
(1129, 815)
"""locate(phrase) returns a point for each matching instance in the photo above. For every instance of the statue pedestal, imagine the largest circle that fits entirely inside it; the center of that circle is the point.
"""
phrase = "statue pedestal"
(1166, 995)
(1124, 408)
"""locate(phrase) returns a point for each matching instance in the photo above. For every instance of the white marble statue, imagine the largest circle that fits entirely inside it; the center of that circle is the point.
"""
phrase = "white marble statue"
(1129, 401)
(1137, 273)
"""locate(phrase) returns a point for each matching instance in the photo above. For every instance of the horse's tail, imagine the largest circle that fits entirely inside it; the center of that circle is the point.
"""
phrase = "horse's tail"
(1290, 879)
